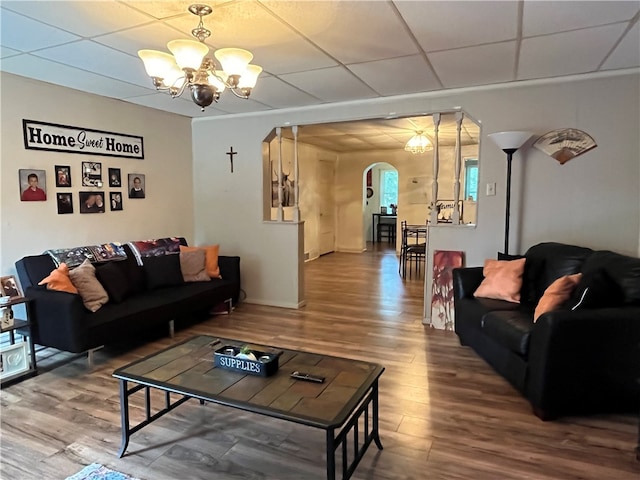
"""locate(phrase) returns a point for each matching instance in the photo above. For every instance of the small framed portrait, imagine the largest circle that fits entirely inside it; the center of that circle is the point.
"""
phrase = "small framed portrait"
(63, 176)
(116, 201)
(91, 174)
(9, 286)
(92, 202)
(114, 177)
(136, 185)
(65, 203)
(33, 185)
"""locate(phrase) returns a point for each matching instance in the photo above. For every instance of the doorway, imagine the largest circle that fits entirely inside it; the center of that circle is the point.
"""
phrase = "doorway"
(380, 196)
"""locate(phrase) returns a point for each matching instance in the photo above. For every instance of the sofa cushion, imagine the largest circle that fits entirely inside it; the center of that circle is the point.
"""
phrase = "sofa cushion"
(162, 271)
(531, 271)
(192, 265)
(553, 260)
(59, 280)
(90, 289)
(509, 328)
(114, 279)
(556, 294)
(596, 290)
(211, 254)
(502, 280)
(624, 270)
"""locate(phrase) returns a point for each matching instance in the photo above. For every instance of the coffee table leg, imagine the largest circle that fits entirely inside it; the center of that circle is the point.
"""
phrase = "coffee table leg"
(331, 454)
(124, 416)
(376, 433)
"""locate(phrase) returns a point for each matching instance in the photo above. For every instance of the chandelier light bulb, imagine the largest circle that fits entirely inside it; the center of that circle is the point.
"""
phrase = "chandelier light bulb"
(157, 64)
(250, 76)
(234, 61)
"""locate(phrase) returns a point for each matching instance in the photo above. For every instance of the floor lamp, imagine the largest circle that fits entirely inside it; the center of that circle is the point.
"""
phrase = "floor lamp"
(509, 142)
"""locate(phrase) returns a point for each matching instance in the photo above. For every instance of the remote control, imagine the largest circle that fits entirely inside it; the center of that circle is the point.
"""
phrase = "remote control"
(307, 377)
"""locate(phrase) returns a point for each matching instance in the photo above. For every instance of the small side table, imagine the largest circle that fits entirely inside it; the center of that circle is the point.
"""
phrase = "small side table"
(15, 361)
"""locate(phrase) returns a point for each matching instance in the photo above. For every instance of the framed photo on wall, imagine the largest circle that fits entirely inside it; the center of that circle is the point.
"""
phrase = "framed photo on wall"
(136, 185)
(33, 185)
(65, 203)
(115, 179)
(92, 202)
(63, 176)
(115, 198)
(91, 174)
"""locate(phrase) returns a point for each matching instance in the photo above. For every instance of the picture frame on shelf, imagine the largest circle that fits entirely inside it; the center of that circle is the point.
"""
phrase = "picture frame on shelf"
(9, 286)
(14, 360)
(63, 175)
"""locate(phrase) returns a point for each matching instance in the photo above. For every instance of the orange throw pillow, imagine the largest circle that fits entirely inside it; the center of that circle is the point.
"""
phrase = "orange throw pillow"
(59, 279)
(502, 280)
(556, 294)
(211, 258)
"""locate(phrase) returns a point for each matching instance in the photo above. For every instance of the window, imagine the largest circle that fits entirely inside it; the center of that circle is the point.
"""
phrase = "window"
(388, 187)
(471, 179)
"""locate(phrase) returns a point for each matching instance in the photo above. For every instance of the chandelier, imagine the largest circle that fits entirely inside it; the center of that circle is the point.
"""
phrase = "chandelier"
(418, 144)
(189, 67)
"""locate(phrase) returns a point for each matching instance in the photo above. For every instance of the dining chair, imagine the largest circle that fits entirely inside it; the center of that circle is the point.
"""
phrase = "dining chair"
(413, 249)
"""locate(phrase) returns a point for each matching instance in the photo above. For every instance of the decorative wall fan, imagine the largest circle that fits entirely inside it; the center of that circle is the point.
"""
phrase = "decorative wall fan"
(565, 143)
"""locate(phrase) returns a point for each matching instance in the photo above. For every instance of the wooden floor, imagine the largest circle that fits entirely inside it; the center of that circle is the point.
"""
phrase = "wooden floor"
(444, 413)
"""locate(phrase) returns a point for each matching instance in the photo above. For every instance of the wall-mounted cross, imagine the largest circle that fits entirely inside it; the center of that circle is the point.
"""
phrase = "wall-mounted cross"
(231, 153)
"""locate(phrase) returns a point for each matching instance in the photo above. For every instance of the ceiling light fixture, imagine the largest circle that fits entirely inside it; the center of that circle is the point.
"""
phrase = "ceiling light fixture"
(189, 67)
(418, 144)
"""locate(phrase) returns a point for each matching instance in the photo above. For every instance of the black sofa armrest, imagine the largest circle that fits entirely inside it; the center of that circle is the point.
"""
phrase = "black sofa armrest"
(466, 281)
(230, 270)
(585, 361)
(59, 319)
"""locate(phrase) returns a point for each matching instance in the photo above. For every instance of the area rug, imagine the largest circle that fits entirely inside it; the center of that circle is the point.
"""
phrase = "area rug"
(95, 471)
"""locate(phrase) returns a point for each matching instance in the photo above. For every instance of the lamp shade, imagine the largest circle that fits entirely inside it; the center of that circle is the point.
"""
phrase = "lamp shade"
(418, 144)
(216, 82)
(250, 76)
(157, 64)
(234, 61)
(188, 53)
(510, 140)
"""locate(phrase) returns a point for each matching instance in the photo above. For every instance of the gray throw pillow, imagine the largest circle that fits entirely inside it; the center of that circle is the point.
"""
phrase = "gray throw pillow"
(90, 289)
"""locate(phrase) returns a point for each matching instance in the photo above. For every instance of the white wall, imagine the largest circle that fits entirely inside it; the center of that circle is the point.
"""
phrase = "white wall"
(571, 203)
(29, 228)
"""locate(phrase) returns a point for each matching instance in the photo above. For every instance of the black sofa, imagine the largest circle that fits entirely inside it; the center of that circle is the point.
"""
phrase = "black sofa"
(60, 320)
(570, 362)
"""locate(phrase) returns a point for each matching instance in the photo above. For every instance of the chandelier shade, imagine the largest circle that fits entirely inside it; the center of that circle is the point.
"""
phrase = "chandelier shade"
(419, 143)
(188, 53)
(189, 67)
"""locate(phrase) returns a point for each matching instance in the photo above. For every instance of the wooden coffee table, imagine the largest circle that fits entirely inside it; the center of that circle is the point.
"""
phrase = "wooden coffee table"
(345, 405)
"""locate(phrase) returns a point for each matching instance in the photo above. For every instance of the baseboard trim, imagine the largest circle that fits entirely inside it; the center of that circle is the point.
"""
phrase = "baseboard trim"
(271, 303)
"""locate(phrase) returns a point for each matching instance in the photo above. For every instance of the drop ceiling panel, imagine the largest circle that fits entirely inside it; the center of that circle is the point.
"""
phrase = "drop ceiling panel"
(276, 93)
(152, 36)
(352, 31)
(627, 53)
(552, 17)
(443, 25)
(56, 73)
(475, 65)
(93, 57)
(330, 84)
(8, 52)
(86, 18)
(40, 35)
(397, 76)
(566, 53)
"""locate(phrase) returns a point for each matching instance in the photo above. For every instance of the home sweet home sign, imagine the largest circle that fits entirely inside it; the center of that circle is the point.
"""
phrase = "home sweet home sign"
(65, 138)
